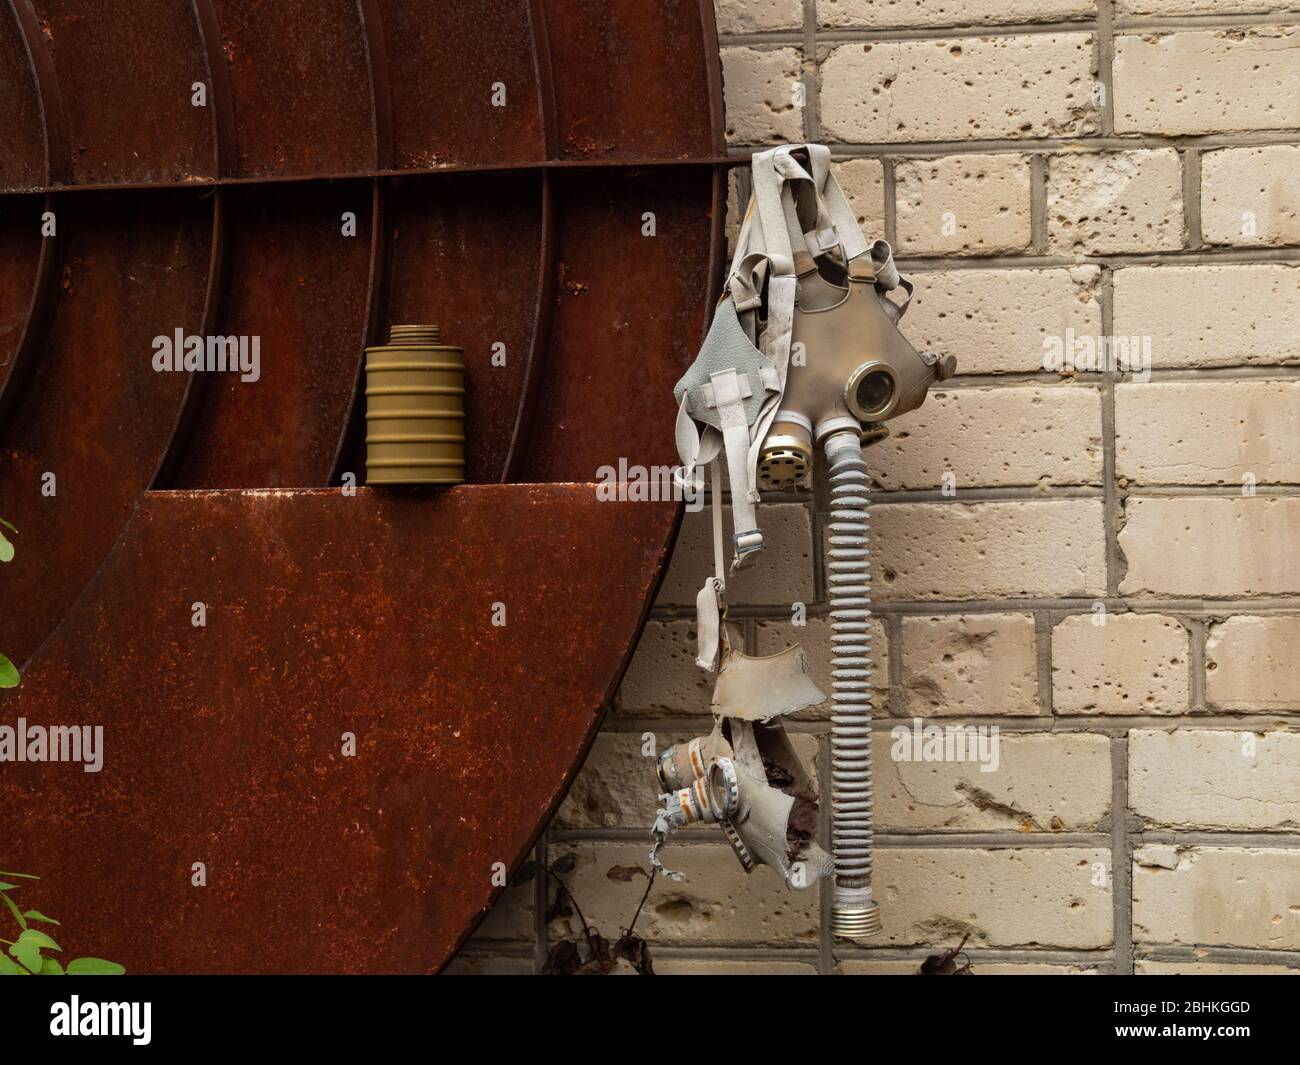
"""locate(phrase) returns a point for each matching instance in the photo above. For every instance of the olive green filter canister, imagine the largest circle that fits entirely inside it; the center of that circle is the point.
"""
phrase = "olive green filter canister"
(415, 409)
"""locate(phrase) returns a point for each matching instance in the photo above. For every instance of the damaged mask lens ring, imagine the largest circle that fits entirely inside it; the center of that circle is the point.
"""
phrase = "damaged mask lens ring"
(723, 788)
(872, 391)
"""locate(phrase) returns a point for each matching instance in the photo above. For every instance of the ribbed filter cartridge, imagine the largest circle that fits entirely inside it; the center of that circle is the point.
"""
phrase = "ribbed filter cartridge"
(415, 409)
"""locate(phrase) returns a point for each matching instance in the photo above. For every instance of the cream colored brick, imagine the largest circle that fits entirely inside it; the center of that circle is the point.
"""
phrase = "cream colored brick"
(963, 204)
(869, 966)
(863, 182)
(1202, 7)
(782, 575)
(1038, 85)
(1211, 546)
(676, 966)
(1014, 897)
(1252, 664)
(882, 14)
(1098, 203)
(662, 677)
(760, 95)
(1132, 664)
(1211, 315)
(1251, 196)
(1211, 432)
(987, 550)
(1217, 896)
(1211, 778)
(477, 963)
(617, 786)
(815, 638)
(1039, 783)
(993, 437)
(995, 321)
(970, 665)
(715, 903)
(1210, 968)
(758, 16)
(1207, 81)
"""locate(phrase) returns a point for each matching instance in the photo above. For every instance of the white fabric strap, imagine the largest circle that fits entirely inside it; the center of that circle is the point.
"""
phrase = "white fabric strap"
(735, 442)
(709, 602)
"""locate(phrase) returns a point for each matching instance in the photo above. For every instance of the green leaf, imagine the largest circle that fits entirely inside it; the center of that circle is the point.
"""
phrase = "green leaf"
(8, 674)
(8, 525)
(36, 915)
(94, 967)
(50, 967)
(6, 549)
(9, 968)
(19, 876)
(29, 953)
(13, 908)
(33, 935)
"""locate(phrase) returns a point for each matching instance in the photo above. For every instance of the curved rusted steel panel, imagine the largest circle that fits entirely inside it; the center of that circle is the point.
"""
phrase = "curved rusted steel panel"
(465, 253)
(96, 417)
(128, 90)
(300, 82)
(613, 110)
(28, 263)
(58, 161)
(464, 84)
(327, 608)
(22, 132)
(298, 282)
(622, 334)
(322, 621)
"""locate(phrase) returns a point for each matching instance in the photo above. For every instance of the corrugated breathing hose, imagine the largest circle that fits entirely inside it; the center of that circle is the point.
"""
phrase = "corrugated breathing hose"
(855, 915)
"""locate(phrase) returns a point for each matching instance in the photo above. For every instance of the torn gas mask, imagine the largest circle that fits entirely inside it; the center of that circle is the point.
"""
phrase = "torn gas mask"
(745, 775)
(805, 350)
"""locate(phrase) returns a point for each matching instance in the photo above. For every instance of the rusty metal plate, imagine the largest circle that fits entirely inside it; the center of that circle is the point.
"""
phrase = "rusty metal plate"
(466, 252)
(629, 312)
(96, 416)
(649, 81)
(22, 162)
(127, 88)
(300, 82)
(325, 615)
(444, 73)
(20, 254)
(298, 283)
(325, 609)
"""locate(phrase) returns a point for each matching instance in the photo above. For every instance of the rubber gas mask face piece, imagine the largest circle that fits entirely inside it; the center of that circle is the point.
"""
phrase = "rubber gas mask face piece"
(851, 367)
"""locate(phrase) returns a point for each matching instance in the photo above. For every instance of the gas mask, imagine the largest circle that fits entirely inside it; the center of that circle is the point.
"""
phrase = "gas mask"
(851, 369)
(804, 353)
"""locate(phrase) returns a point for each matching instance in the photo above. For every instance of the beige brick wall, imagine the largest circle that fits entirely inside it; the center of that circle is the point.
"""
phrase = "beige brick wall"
(1104, 564)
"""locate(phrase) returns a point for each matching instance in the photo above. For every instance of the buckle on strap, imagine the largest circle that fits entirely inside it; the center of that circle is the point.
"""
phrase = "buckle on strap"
(746, 545)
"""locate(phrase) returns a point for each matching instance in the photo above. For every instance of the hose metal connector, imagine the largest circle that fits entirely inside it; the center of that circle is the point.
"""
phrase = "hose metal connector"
(855, 922)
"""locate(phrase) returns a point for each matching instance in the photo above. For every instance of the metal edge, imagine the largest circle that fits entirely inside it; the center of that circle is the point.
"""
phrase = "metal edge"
(225, 148)
(58, 152)
(352, 433)
(713, 63)
(593, 729)
(381, 93)
(40, 313)
(182, 437)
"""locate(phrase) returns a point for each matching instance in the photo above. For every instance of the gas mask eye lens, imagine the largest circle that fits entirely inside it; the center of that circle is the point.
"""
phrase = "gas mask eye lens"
(872, 391)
